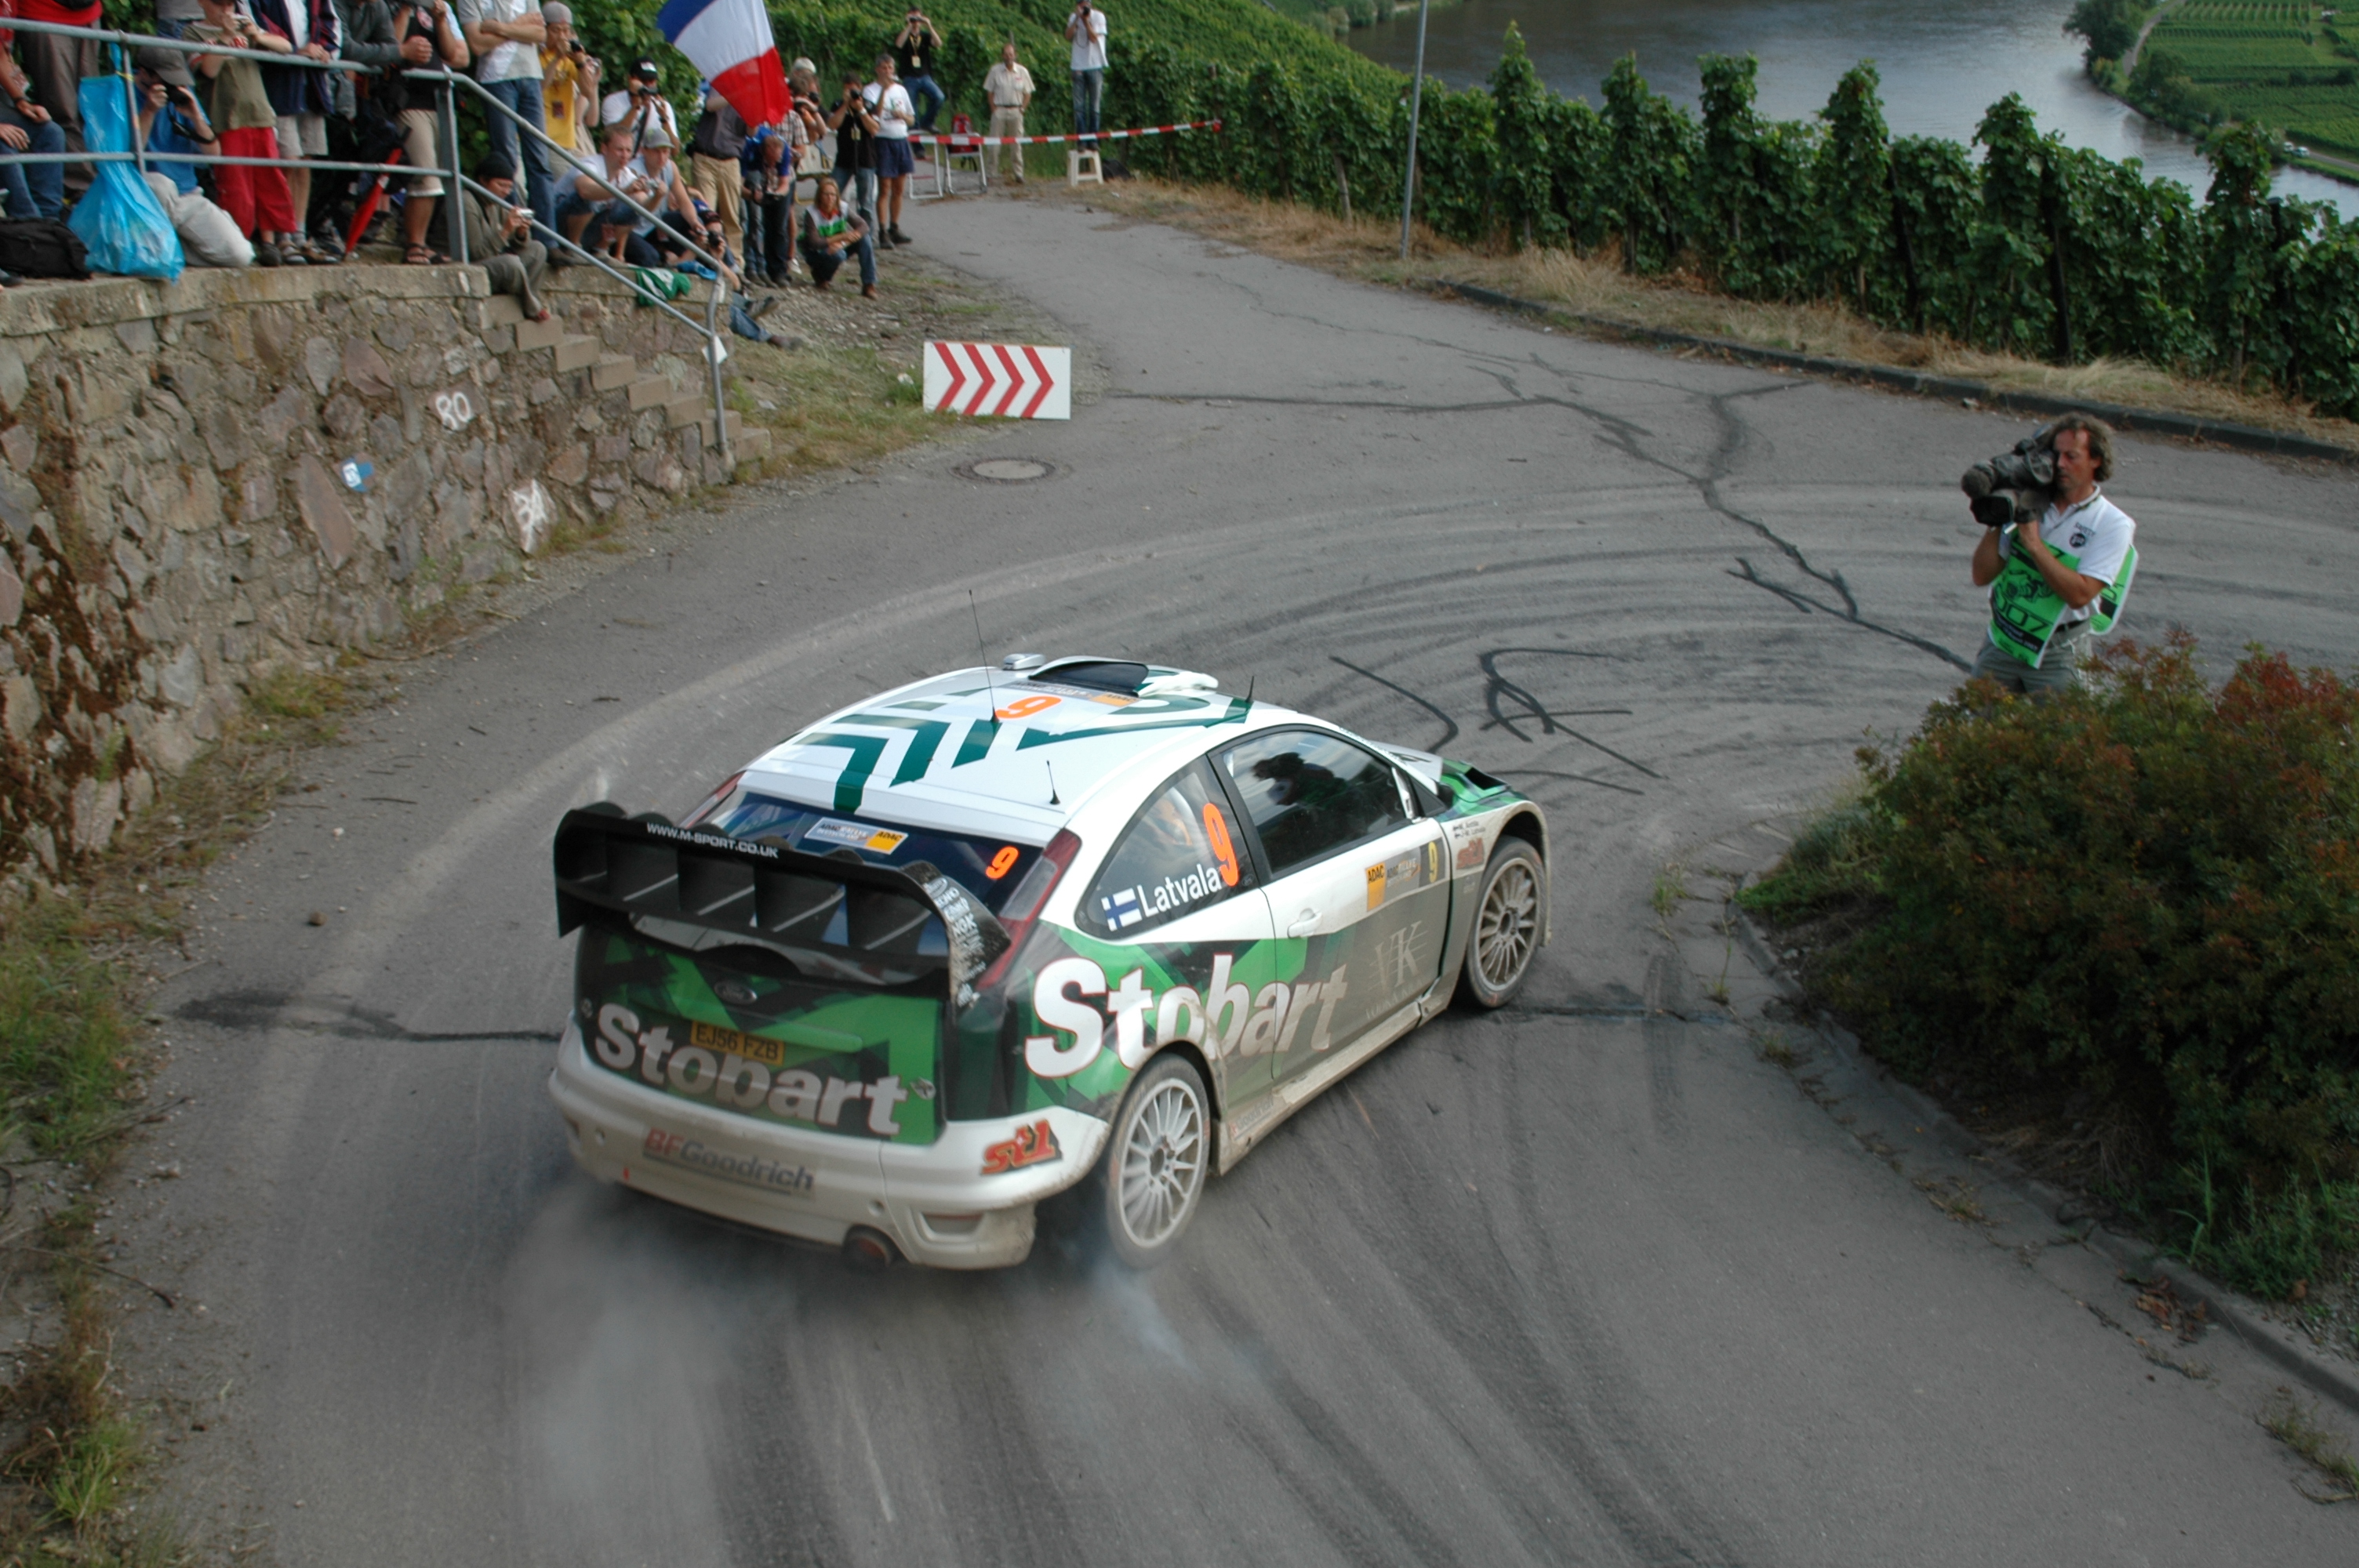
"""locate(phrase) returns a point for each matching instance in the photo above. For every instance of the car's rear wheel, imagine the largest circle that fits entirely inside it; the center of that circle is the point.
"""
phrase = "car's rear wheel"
(1507, 926)
(1157, 1161)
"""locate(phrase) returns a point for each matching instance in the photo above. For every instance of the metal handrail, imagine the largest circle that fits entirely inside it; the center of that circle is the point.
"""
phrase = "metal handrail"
(490, 102)
(714, 297)
(129, 41)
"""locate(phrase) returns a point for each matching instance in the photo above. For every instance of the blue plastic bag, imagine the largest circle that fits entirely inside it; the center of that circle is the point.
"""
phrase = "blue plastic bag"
(122, 224)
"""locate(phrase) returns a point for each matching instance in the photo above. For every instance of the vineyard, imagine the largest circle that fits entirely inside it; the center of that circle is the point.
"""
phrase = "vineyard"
(2284, 65)
(2019, 244)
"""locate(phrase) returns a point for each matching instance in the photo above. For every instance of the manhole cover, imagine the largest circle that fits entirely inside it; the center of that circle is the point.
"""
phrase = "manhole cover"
(1008, 471)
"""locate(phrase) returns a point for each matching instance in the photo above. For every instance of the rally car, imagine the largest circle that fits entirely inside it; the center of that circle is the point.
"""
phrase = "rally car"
(988, 937)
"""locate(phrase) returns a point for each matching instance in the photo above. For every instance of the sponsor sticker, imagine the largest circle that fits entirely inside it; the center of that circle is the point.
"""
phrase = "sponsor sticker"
(745, 1072)
(1110, 699)
(1125, 907)
(1035, 1144)
(1471, 842)
(858, 835)
(1403, 874)
(746, 1170)
(1226, 1018)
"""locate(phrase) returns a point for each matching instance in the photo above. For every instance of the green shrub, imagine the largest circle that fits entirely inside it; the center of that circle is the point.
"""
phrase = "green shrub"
(2147, 894)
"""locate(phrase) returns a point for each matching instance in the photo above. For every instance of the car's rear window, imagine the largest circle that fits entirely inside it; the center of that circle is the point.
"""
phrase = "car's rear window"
(987, 868)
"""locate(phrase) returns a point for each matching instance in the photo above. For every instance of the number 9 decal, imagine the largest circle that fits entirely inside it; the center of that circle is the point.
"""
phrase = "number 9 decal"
(1002, 863)
(1225, 849)
(1025, 707)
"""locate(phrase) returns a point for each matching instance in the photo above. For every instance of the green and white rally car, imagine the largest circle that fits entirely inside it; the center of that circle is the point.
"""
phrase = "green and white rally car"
(979, 939)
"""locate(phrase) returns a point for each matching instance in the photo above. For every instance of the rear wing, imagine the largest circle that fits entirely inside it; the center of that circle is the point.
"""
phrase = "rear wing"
(767, 893)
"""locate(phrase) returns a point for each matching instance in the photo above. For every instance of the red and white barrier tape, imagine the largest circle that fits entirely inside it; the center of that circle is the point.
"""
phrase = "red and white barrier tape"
(970, 140)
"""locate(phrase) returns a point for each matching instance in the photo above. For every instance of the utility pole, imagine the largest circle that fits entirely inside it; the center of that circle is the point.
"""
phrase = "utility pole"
(1416, 96)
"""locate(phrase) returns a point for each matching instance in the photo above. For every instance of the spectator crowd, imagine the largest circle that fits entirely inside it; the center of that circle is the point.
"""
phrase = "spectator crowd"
(616, 169)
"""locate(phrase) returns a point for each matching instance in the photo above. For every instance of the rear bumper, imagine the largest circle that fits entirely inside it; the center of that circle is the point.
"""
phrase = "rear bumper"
(933, 1201)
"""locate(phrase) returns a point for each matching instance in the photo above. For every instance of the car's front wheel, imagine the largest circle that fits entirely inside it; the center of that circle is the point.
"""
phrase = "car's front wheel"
(1157, 1161)
(1506, 926)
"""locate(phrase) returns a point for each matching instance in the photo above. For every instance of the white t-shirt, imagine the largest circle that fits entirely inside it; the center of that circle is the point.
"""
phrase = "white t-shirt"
(507, 60)
(1089, 45)
(1007, 86)
(2097, 533)
(894, 112)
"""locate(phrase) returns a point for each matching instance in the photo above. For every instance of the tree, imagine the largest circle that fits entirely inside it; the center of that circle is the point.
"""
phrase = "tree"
(2111, 26)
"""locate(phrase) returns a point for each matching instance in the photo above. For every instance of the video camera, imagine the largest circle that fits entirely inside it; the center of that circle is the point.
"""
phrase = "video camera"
(2014, 486)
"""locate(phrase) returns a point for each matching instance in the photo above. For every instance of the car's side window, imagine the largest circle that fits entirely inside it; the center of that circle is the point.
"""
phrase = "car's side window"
(1309, 794)
(1178, 854)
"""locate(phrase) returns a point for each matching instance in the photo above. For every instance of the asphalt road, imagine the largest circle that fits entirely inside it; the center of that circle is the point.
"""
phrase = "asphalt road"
(1572, 1285)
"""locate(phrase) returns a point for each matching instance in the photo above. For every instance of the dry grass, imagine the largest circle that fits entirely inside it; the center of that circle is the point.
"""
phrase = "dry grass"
(1600, 291)
(2296, 1426)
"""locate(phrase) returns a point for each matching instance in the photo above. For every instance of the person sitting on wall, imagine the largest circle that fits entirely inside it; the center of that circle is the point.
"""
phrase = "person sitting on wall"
(172, 121)
(499, 237)
(33, 189)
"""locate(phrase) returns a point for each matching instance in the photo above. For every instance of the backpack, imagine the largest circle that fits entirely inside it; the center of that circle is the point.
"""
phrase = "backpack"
(41, 247)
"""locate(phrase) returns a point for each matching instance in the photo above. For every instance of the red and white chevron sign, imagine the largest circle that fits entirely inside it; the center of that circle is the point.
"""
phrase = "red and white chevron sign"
(1008, 380)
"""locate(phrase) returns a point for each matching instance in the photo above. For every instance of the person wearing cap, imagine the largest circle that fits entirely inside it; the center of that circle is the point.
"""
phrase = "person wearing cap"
(499, 237)
(35, 189)
(640, 99)
(715, 166)
(505, 36)
(569, 88)
(662, 192)
(172, 121)
(303, 98)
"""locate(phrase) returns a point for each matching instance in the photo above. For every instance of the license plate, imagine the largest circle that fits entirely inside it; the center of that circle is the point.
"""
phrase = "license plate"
(752, 1048)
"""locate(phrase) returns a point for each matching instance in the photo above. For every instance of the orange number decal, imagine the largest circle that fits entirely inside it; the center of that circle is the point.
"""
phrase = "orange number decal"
(1216, 827)
(1025, 707)
(1000, 863)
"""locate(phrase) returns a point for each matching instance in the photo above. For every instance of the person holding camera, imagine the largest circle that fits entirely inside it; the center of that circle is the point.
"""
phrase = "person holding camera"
(640, 102)
(889, 100)
(856, 151)
(172, 121)
(913, 58)
(568, 91)
(2047, 581)
(1085, 30)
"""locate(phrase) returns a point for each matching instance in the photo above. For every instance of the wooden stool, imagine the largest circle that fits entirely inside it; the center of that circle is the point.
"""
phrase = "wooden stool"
(1080, 160)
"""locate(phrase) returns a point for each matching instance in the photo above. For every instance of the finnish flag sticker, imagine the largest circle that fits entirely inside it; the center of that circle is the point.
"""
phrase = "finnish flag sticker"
(1122, 908)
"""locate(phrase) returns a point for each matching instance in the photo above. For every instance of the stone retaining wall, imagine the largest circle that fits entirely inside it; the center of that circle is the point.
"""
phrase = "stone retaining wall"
(243, 470)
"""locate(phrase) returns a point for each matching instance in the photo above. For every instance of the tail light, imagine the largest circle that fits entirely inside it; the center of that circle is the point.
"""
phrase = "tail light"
(1031, 895)
(715, 801)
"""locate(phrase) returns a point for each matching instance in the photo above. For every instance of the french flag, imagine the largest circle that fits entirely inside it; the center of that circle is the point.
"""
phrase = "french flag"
(729, 42)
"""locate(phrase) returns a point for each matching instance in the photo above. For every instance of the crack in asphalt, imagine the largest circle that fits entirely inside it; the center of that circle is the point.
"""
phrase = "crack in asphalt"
(1623, 435)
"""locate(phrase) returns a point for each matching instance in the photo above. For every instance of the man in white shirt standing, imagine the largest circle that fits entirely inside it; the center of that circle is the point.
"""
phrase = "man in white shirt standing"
(1008, 86)
(1086, 30)
(889, 102)
(506, 36)
(2046, 582)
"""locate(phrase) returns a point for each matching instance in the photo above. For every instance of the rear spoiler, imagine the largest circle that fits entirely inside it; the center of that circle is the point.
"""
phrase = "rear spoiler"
(834, 903)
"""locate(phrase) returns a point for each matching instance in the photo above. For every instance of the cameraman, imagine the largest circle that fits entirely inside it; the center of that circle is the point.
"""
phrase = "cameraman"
(2044, 582)
(914, 50)
(1085, 30)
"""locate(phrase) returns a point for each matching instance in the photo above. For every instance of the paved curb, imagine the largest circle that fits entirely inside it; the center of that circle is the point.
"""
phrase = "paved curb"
(2331, 1376)
(2245, 437)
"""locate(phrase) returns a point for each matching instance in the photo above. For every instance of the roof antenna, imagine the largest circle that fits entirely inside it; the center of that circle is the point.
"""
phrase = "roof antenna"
(1249, 686)
(984, 649)
(1052, 781)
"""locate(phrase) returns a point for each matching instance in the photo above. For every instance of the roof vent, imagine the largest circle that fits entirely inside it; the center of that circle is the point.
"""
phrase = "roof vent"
(1023, 661)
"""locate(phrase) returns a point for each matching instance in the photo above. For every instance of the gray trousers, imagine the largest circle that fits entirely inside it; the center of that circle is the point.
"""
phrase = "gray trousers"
(2059, 668)
(520, 272)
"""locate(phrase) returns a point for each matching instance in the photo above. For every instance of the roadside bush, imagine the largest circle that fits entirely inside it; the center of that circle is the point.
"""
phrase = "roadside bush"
(2148, 895)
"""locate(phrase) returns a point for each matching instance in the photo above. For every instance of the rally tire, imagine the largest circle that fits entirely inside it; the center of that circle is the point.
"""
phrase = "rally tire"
(1507, 916)
(1157, 1161)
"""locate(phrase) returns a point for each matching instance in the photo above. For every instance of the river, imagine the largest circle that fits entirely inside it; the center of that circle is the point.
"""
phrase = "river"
(1944, 63)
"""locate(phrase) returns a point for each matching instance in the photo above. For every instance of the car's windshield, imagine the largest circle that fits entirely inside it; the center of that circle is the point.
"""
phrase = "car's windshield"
(987, 868)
